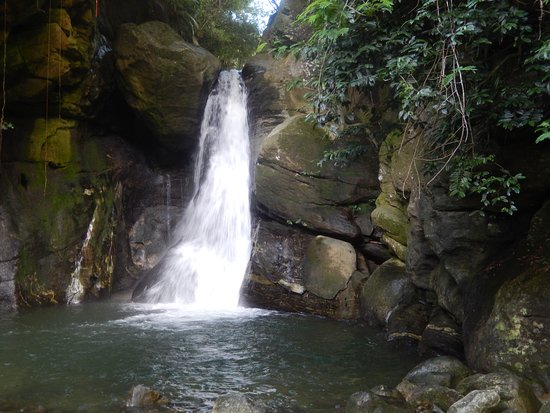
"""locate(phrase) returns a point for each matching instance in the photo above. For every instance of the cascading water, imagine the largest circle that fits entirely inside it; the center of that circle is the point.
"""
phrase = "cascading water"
(207, 264)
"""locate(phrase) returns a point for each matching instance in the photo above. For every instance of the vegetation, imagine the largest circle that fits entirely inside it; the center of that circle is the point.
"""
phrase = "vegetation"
(227, 28)
(464, 72)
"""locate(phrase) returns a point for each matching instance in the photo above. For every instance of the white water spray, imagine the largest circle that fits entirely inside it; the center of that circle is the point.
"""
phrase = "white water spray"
(207, 265)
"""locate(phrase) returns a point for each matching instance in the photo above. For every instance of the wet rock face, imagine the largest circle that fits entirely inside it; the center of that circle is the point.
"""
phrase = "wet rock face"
(165, 80)
(9, 250)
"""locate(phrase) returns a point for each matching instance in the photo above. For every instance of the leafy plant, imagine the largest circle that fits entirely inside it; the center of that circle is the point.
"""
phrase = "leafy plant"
(481, 175)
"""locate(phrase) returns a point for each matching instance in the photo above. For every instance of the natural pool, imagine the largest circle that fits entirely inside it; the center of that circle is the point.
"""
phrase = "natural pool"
(86, 358)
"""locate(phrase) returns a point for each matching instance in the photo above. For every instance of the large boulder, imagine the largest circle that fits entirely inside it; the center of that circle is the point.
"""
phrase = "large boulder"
(507, 320)
(329, 266)
(292, 186)
(385, 290)
(165, 80)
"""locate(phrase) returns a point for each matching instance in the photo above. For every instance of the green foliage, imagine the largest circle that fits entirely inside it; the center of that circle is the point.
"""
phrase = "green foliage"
(480, 175)
(544, 130)
(7, 125)
(227, 28)
(463, 71)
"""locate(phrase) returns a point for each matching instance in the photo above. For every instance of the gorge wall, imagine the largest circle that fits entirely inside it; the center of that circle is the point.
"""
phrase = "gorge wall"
(94, 174)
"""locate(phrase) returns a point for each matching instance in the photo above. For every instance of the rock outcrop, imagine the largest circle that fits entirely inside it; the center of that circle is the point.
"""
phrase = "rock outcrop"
(165, 80)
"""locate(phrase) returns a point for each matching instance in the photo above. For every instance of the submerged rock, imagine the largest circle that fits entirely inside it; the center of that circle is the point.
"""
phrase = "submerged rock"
(142, 396)
(237, 403)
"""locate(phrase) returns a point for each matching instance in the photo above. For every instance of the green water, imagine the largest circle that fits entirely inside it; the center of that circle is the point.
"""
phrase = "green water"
(86, 358)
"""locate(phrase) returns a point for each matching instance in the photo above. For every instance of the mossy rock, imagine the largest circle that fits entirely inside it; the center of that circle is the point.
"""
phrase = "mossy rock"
(50, 141)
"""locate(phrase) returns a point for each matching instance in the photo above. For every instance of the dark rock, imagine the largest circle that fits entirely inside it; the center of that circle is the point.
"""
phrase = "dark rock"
(151, 234)
(375, 251)
(449, 294)
(367, 402)
(515, 394)
(237, 403)
(165, 80)
(9, 250)
(477, 401)
(443, 336)
(407, 322)
(386, 289)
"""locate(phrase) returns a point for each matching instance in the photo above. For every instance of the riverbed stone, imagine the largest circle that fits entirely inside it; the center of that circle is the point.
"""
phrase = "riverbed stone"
(514, 392)
(237, 403)
(477, 401)
(367, 402)
(432, 396)
(165, 80)
(329, 265)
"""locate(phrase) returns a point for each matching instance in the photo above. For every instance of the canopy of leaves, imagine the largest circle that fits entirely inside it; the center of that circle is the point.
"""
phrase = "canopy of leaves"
(467, 70)
(227, 28)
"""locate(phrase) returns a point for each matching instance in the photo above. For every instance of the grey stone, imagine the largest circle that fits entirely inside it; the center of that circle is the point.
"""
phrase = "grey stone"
(237, 403)
(477, 401)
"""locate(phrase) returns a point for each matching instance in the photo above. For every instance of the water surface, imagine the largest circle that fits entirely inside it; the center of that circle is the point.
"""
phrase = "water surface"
(86, 358)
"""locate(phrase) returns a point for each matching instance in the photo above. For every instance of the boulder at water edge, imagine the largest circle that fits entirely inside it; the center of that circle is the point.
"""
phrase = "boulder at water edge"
(329, 266)
(237, 403)
(165, 80)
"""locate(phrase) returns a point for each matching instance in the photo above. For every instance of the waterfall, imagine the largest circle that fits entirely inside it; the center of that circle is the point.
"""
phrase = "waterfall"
(207, 264)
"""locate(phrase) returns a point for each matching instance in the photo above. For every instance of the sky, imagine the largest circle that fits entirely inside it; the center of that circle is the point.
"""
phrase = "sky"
(267, 8)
